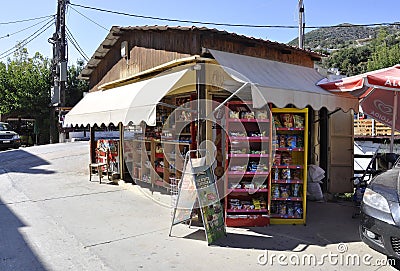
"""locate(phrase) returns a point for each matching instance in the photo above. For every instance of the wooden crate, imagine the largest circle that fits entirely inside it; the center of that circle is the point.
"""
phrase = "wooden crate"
(363, 127)
(370, 127)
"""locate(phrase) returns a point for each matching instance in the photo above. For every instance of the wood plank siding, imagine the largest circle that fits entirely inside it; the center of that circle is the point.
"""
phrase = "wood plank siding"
(150, 47)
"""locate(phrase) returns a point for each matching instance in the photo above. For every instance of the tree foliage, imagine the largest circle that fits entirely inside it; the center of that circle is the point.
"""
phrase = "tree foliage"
(25, 85)
(381, 52)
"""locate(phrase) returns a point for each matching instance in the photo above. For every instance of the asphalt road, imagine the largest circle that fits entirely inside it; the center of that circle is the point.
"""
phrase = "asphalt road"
(53, 218)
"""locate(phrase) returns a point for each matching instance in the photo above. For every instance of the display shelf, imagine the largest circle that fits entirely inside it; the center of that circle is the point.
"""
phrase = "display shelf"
(247, 221)
(288, 178)
(289, 166)
(289, 149)
(290, 129)
(249, 138)
(247, 210)
(248, 120)
(247, 155)
(288, 199)
(248, 145)
(287, 181)
(247, 190)
(248, 173)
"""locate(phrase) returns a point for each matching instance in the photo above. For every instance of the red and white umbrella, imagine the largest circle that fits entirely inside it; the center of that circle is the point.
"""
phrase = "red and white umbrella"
(377, 92)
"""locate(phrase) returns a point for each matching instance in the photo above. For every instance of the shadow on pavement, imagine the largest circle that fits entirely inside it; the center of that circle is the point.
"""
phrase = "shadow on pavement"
(327, 223)
(15, 253)
(23, 162)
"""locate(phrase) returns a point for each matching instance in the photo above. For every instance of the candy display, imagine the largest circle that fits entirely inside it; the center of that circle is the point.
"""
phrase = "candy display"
(289, 166)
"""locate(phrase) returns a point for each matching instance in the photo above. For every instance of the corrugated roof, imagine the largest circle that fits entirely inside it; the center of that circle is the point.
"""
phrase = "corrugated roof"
(116, 31)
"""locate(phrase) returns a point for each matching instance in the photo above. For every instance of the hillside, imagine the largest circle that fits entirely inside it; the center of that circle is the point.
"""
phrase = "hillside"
(341, 36)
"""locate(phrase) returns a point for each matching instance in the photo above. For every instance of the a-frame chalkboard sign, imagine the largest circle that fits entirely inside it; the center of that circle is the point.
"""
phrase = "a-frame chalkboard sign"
(198, 186)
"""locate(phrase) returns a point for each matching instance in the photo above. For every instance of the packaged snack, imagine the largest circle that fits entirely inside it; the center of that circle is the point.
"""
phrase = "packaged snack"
(287, 120)
(277, 159)
(275, 191)
(275, 174)
(290, 209)
(233, 115)
(282, 208)
(261, 114)
(285, 191)
(286, 158)
(295, 174)
(248, 115)
(296, 190)
(300, 141)
(298, 210)
(291, 141)
(277, 121)
(282, 141)
(298, 121)
(285, 174)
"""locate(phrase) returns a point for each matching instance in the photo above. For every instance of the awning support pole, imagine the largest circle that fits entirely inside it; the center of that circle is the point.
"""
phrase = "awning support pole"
(228, 99)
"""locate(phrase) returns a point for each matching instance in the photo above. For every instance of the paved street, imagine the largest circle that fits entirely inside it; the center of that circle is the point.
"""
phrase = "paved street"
(53, 218)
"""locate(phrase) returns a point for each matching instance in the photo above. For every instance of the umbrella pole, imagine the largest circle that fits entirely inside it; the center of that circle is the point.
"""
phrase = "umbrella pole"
(394, 119)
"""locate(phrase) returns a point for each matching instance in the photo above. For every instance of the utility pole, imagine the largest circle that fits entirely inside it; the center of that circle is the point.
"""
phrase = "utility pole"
(59, 64)
(302, 24)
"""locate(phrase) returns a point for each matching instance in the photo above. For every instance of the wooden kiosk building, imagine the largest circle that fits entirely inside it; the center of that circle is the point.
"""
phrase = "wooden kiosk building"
(172, 77)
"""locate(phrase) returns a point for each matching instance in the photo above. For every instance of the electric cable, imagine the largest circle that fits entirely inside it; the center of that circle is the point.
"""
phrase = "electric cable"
(19, 31)
(26, 20)
(74, 42)
(28, 39)
(86, 17)
(229, 24)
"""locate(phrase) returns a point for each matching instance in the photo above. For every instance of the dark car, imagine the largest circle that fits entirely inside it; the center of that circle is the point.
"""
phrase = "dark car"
(8, 138)
(380, 214)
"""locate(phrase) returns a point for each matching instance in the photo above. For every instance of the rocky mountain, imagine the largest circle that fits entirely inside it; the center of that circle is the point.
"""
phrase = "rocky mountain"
(342, 36)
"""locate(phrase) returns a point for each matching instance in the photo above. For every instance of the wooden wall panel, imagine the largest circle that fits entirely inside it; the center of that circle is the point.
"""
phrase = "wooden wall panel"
(151, 48)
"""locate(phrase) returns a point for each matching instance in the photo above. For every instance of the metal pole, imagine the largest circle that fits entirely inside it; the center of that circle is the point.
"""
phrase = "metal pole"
(301, 24)
(393, 121)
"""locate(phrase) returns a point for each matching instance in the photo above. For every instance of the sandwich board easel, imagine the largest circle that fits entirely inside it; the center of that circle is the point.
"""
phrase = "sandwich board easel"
(198, 185)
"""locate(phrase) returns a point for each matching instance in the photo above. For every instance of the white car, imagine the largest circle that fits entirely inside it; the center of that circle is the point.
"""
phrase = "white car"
(8, 138)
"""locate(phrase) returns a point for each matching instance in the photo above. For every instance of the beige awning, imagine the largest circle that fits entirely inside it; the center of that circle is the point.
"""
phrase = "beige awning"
(129, 104)
(281, 83)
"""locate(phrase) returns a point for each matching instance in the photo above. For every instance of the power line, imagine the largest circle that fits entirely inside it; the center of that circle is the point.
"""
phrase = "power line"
(26, 20)
(28, 39)
(8, 35)
(99, 25)
(76, 45)
(229, 24)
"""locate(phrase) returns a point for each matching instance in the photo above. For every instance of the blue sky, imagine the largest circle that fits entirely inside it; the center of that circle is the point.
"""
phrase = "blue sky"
(256, 12)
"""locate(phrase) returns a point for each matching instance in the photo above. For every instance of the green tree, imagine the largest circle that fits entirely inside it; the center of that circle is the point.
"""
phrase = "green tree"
(75, 87)
(25, 88)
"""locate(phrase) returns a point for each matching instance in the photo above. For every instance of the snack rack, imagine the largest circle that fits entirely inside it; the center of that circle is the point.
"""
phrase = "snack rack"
(248, 148)
(288, 179)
